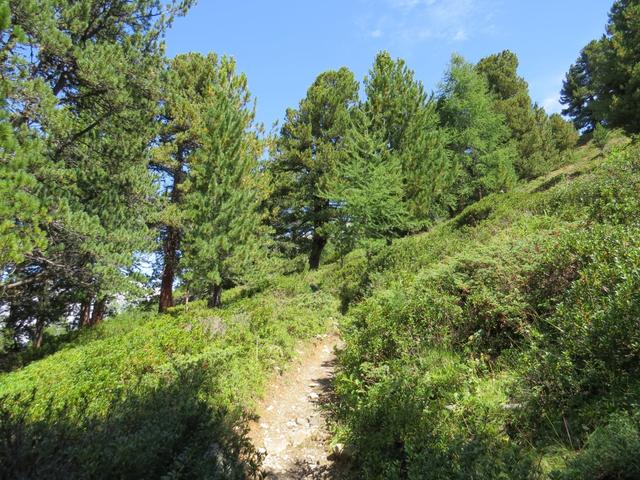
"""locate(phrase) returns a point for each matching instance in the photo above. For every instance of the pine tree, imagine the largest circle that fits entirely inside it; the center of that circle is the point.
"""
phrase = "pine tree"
(564, 135)
(394, 98)
(529, 125)
(511, 99)
(306, 151)
(85, 89)
(602, 86)
(582, 86)
(21, 214)
(191, 87)
(367, 187)
(404, 116)
(479, 136)
(220, 205)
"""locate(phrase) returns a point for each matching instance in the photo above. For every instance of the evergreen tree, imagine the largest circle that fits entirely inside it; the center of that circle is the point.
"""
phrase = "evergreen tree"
(603, 85)
(401, 113)
(511, 97)
(510, 90)
(479, 136)
(306, 151)
(191, 87)
(529, 125)
(220, 204)
(21, 214)
(393, 100)
(563, 133)
(367, 187)
(582, 87)
(427, 167)
(84, 87)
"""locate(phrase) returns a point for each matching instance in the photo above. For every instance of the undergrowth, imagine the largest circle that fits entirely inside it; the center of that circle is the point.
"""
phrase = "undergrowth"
(504, 343)
(149, 396)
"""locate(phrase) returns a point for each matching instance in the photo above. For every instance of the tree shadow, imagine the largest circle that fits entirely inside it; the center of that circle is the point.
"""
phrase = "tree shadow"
(306, 471)
(169, 432)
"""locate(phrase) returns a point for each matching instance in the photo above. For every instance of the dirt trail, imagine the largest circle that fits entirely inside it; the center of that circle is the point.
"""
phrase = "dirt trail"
(291, 429)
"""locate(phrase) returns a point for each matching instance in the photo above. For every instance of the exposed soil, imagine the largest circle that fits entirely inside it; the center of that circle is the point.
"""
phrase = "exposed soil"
(291, 431)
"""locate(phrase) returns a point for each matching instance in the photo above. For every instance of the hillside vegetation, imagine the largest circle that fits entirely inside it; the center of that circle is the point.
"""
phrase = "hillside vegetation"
(149, 396)
(163, 258)
(501, 344)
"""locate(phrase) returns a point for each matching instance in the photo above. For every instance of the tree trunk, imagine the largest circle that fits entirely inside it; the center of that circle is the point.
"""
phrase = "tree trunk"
(98, 311)
(215, 300)
(170, 248)
(39, 333)
(317, 245)
(85, 313)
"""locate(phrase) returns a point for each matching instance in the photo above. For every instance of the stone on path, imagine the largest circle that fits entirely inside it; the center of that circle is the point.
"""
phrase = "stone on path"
(291, 432)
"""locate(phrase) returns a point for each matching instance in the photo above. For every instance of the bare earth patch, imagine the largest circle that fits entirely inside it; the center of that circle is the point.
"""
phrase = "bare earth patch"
(291, 430)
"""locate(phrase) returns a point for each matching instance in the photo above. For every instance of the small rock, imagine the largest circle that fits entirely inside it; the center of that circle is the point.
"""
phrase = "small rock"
(291, 424)
(298, 437)
(313, 396)
(264, 426)
(302, 421)
(277, 445)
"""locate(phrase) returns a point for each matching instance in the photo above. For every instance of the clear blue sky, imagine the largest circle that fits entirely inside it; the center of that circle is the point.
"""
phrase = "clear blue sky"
(282, 45)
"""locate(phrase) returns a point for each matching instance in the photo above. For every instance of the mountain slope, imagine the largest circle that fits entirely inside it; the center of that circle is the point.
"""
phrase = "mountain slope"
(503, 343)
(156, 396)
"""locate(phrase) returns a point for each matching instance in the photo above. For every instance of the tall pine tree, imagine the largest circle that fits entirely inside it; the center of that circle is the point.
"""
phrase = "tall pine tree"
(529, 125)
(406, 119)
(479, 136)
(367, 188)
(85, 86)
(220, 204)
(191, 87)
(21, 214)
(306, 151)
(603, 86)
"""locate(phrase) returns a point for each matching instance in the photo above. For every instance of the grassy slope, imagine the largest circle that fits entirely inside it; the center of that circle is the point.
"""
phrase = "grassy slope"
(457, 362)
(143, 395)
(495, 345)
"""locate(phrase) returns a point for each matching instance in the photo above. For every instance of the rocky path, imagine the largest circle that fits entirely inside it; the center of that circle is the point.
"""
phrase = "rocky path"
(291, 430)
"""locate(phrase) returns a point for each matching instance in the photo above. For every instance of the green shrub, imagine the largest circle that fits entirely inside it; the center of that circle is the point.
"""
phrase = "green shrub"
(149, 396)
(430, 415)
(601, 136)
(612, 451)
(168, 431)
(497, 343)
(586, 361)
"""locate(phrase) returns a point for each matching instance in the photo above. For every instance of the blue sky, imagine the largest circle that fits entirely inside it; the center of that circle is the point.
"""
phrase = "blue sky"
(282, 45)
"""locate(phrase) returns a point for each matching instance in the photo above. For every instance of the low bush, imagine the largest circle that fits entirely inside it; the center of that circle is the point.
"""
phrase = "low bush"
(149, 396)
(612, 451)
(501, 343)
